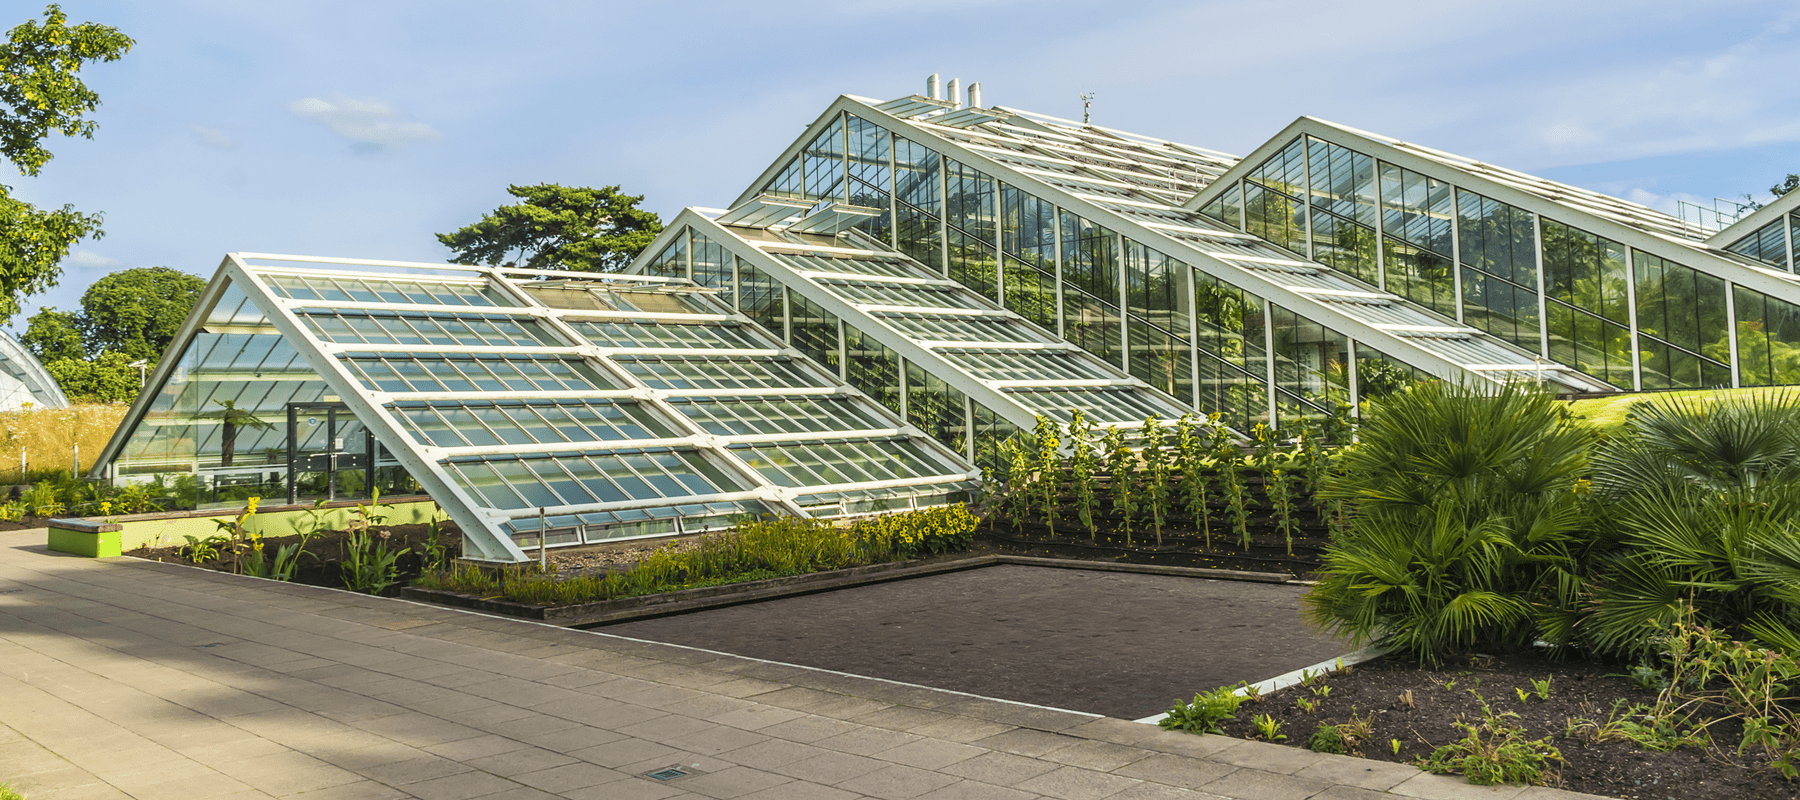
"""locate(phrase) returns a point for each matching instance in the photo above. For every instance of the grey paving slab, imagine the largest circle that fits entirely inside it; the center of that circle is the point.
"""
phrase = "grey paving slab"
(127, 679)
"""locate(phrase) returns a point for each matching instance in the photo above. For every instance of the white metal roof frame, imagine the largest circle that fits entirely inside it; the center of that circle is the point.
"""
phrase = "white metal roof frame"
(1589, 211)
(1411, 350)
(480, 523)
(928, 355)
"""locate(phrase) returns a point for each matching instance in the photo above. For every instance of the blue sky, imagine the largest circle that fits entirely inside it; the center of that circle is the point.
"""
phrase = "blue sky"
(360, 129)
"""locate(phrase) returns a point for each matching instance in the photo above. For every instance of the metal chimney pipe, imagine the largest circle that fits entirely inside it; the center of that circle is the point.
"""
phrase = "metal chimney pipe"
(931, 88)
(975, 95)
(955, 97)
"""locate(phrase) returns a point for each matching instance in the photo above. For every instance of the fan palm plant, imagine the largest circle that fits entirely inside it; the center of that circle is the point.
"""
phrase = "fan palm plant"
(1466, 529)
(1705, 499)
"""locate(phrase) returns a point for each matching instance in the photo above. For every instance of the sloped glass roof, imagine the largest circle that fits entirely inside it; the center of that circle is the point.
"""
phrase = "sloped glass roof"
(976, 346)
(612, 406)
(1148, 184)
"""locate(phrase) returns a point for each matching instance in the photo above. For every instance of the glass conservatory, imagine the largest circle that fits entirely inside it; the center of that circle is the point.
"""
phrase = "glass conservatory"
(912, 282)
(588, 407)
(1018, 259)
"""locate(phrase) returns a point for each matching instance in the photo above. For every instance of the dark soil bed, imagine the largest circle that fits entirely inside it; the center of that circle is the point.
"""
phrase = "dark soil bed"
(1120, 644)
(1616, 769)
(320, 565)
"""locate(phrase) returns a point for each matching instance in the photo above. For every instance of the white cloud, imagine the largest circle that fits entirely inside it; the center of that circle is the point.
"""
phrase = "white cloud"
(213, 137)
(370, 125)
(88, 259)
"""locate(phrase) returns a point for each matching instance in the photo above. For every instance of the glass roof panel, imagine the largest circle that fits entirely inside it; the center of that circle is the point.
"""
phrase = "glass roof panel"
(1025, 365)
(834, 462)
(358, 289)
(873, 294)
(478, 424)
(634, 333)
(389, 327)
(697, 372)
(963, 329)
(754, 416)
(399, 372)
(506, 482)
(1099, 405)
(887, 268)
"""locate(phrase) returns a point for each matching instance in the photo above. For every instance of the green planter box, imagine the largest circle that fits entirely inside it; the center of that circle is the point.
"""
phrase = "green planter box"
(83, 538)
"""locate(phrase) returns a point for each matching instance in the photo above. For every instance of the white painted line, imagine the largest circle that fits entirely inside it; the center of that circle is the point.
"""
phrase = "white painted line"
(1287, 679)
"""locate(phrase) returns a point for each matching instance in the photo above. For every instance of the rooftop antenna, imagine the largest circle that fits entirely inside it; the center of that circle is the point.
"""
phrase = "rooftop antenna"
(1087, 106)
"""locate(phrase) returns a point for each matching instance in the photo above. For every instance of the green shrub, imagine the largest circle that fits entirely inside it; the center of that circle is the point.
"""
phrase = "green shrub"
(1465, 527)
(1703, 500)
(1326, 739)
(753, 551)
(1204, 714)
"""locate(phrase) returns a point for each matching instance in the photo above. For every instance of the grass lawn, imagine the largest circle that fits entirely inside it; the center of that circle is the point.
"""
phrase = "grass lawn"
(1608, 413)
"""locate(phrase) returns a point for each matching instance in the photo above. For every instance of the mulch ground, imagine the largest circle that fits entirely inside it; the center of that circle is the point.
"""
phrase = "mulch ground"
(1439, 697)
(1120, 644)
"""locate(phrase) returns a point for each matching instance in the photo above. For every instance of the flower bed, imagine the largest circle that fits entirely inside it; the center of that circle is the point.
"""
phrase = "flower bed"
(1391, 709)
(775, 548)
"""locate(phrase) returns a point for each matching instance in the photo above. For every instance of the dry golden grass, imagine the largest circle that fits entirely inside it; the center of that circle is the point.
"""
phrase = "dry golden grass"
(49, 436)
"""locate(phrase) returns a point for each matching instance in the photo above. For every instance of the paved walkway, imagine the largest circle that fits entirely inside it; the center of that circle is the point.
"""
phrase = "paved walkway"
(122, 678)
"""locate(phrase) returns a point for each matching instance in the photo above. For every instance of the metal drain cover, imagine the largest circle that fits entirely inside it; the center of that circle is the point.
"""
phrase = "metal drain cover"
(667, 774)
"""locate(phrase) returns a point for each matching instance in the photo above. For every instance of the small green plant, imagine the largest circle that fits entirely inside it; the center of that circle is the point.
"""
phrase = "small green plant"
(279, 568)
(1281, 496)
(1082, 467)
(1018, 481)
(1644, 726)
(1049, 468)
(1493, 750)
(1121, 467)
(1306, 704)
(1252, 693)
(315, 517)
(7, 792)
(1268, 728)
(1307, 677)
(1326, 739)
(367, 562)
(1395, 745)
(201, 551)
(369, 516)
(1343, 738)
(1321, 691)
(1196, 480)
(236, 532)
(1450, 685)
(1541, 688)
(1204, 714)
(1156, 472)
(1523, 695)
(41, 500)
(433, 553)
(1237, 506)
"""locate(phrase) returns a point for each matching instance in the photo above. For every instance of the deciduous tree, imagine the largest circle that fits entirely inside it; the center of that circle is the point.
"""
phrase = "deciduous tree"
(133, 312)
(41, 94)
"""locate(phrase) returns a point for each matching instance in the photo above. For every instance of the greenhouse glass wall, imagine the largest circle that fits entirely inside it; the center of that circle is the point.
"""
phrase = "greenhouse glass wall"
(913, 282)
(1329, 267)
(589, 407)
